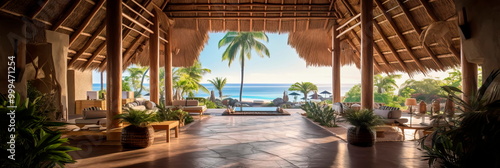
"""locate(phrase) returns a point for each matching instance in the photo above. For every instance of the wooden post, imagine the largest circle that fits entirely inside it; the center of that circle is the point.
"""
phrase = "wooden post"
(169, 98)
(469, 77)
(154, 60)
(367, 54)
(114, 67)
(335, 65)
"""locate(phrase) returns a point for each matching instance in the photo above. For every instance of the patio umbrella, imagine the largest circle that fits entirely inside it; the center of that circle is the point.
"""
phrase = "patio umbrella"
(294, 94)
(212, 96)
(325, 93)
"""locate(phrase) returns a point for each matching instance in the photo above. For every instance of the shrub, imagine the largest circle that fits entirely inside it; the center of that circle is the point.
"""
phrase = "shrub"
(323, 114)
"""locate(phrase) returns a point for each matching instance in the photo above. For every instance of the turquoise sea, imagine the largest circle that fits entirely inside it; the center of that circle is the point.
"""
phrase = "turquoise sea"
(254, 91)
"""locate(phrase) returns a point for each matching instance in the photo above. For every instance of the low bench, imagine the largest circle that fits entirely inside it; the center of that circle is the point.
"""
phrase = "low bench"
(167, 125)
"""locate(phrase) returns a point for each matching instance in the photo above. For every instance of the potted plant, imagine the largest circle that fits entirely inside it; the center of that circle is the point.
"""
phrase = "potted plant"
(362, 133)
(139, 134)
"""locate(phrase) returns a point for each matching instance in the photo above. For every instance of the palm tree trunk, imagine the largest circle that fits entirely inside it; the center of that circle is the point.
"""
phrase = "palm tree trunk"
(142, 80)
(305, 96)
(220, 94)
(242, 73)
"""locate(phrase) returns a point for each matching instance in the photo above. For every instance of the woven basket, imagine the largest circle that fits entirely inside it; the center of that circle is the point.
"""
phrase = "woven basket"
(137, 137)
(361, 137)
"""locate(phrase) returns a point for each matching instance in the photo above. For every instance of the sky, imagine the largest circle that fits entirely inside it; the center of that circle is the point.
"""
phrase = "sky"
(283, 66)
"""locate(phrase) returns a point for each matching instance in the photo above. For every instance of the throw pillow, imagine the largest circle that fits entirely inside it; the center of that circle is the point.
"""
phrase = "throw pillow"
(150, 104)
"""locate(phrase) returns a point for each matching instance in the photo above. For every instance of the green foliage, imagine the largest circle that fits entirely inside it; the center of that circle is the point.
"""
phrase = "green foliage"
(210, 104)
(385, 84)
(45, 104)
(363, 118)
(165, 114)
(36, 145)
(136, 79)
(303, 87)
(242, 44)
(426, 90)
(472, 141)
(187, 80)
(140, 118)
(454, 78)
(219, 84)
(354, 94)
(323, 114)
(102, 93)
(126, 82)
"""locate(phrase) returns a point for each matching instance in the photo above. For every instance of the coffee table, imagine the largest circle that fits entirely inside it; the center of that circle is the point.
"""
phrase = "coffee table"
(416, 127)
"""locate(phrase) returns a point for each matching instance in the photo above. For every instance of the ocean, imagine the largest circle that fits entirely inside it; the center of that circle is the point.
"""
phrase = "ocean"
(254, 91)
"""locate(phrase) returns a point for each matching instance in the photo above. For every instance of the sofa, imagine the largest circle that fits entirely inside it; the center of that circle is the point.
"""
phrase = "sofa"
(141, 104)
(92, 115)
(391, 115)
(190, 106)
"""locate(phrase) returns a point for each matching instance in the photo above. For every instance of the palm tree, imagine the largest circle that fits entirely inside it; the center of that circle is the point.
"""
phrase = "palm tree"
(137, 75)
(304, 87)
(218, 83)
(386, 83)
(187, 79)
(242, 44)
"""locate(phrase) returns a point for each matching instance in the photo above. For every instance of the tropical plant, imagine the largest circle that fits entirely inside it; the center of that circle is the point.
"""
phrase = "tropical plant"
(472, 141)
(242, 44)
(385, 83)
(427, 89)
(140, 118)
(187, 79)
(354, 94)
(136, 78)
(219, 84)
(454, 79)
(36, 145)
(362, 134)
(323, 114)
(139, 134)
(303, 87)
(165, 114)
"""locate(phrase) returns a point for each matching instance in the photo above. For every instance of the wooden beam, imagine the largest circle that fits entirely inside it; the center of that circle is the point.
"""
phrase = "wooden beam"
(454, 51)
(349, 41)
(255, 4)
(144, 8)
(469, 77)
(87, 44)
(253, 17)
(137, 23)
(367, 54)
(37, 11)
(169, 89)
(400, 36)
(135, 30)
(249, 11)
(127, 53)
(114, 61)
(154, 61)
(391, 47)
(348, 29)
(349, 21)
(419, 31)
(94, 55)
(86, 22)
(335, 66)
(428, 10)
(136, 13)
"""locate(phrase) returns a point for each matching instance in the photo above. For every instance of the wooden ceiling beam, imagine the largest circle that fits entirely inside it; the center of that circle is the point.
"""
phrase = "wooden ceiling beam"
(87, 44)
(391, 47)
(253, 17)
(37, 11)
(377, 50)
(358, 39)
(86, 22)
(428, 10)
(400, 36)
(349, 21)
(136, 13)
(127, 53)
(94, 55)
(249, 11)
(349, 41)
(136, 22)
(407, 14)
(332, 2)
(198, 5)
(144, 8)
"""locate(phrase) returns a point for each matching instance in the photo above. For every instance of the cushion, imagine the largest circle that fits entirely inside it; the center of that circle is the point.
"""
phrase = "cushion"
(396, 114)
(178, 102)
(150, 104)
(93, 114)
(185, 103)
(92, 108)
(385, 114)
(192, 103)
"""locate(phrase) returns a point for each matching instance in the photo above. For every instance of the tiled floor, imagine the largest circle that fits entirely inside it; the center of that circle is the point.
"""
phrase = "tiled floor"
(250, 141)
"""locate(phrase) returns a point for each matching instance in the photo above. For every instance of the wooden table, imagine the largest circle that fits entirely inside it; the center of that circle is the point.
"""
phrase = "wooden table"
(416, 127)
(167, 125)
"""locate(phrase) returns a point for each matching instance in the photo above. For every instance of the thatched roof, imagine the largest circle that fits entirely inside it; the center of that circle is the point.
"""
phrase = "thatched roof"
(399, 25)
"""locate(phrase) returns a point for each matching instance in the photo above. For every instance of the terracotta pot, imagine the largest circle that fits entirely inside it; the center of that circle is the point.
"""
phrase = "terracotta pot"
(361, 136)
(137, 137)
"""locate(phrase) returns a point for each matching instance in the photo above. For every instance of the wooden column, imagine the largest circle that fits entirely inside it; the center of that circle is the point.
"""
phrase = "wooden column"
(154, 60)
(469, 77)
(169, 94)
(367, 54)
(114, 64)
(335, 65)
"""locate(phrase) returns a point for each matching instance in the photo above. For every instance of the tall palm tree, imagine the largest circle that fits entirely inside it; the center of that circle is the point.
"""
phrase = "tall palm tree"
(242, 44)
(385, 83)
(304, 87)
(218, 83)
(137, 75)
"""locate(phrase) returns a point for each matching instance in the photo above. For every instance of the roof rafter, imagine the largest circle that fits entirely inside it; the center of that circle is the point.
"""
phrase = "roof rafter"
(391, 47)
(37, 11)
(87, 44)
(66, 15)
(400, 36)
(86, 22)
(127, 54)
(94, 55)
